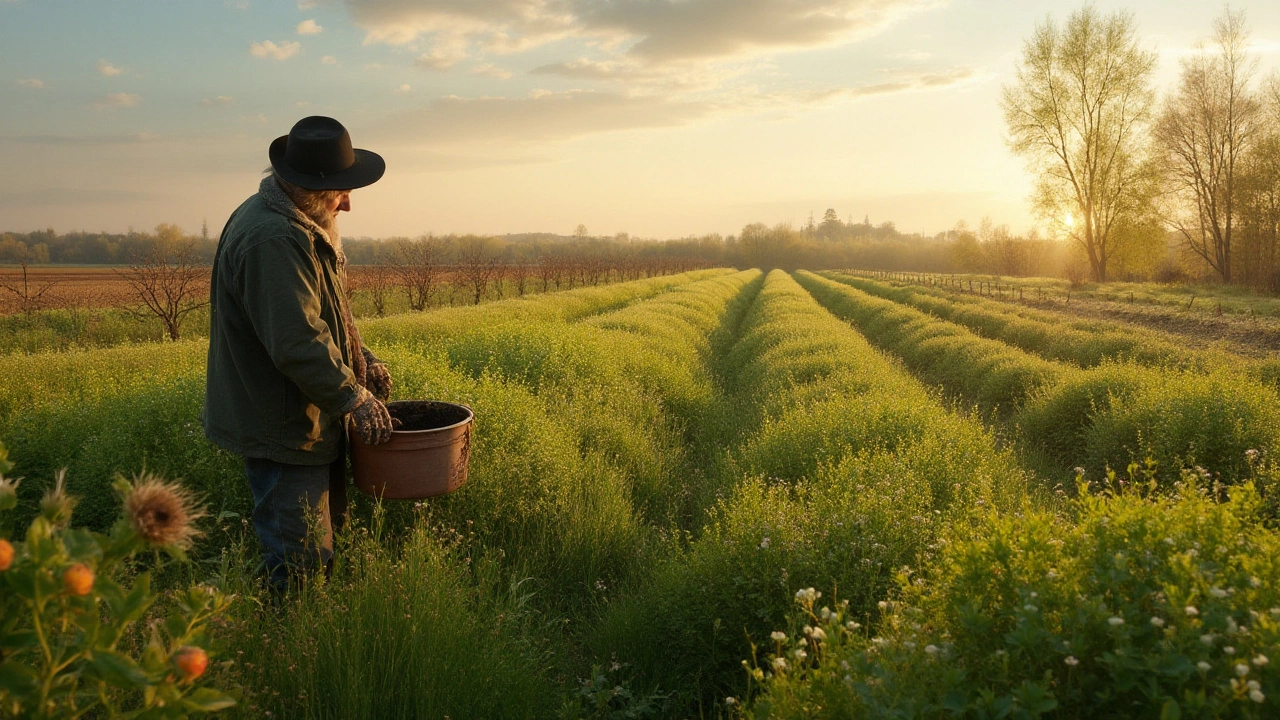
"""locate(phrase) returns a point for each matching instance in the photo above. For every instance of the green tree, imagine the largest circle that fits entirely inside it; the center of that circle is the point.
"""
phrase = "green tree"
(1078, 112)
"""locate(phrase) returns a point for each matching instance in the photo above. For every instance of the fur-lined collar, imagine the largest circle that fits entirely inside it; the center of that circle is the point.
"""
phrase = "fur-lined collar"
(278, 200)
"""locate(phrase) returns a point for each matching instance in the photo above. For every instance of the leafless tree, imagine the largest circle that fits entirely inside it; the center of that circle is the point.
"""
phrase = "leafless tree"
(1078, 112)
(477, 266)
(29, 295)
(417, 264)
(170, 281)
(518, 271)
(377, 282)
(1205, 130)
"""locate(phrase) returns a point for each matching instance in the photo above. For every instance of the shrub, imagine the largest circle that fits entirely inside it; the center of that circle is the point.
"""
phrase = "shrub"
(1144, 606)
(68, 620)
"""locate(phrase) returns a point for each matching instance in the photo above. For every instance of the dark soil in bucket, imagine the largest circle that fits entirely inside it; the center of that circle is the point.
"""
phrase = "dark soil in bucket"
(425, 414)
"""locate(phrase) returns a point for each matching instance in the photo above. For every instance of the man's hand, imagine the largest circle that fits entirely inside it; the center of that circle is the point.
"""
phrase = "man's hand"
(370, 419)
(377, 377)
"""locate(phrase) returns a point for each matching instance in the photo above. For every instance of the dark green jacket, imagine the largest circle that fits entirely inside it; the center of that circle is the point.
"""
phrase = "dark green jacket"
(279, 376)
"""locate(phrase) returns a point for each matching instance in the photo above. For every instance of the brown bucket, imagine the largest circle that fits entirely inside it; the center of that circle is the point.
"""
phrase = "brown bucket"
(427, 456)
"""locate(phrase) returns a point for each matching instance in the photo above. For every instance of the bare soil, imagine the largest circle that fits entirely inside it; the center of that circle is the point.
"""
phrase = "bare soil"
(425, 414)
(1255, 336)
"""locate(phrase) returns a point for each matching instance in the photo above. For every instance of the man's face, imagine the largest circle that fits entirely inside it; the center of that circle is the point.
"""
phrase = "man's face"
(340, 203)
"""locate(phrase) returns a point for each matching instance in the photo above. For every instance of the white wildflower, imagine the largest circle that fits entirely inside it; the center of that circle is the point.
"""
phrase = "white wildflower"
(1204, 666)
(1071, 661)
(819, 634)
(1242, 669)
(764, 544)
(1157, 621)
(1257, 696)
(778, 636)
(1217, 592)
(1260, 660)
(1191, 611)
(931, 649)
(779, 664)
(1115, 621)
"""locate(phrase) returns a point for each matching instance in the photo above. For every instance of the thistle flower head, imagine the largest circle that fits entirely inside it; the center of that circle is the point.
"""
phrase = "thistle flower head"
(161, 512)
(8, 493)
(56, 505)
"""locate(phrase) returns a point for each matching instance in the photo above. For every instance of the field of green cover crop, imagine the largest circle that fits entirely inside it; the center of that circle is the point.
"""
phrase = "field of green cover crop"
(717, 494)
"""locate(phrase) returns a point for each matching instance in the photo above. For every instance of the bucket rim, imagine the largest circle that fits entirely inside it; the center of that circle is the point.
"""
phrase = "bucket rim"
(471, 415)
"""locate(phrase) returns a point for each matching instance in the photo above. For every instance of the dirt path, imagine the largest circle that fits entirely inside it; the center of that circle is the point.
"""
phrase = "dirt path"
(1259, 337)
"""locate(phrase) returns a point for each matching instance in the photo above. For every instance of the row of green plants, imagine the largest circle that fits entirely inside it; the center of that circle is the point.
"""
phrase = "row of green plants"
(1098, 418)
(658, 480)
(1199, 298)
(81, 326)
(1058, 336)
(94, 412)
(1133, 603)
(546, 525)
(843, 469)
(574, 491)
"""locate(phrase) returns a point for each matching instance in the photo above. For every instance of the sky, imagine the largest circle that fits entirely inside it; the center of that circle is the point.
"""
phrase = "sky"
(658, 118)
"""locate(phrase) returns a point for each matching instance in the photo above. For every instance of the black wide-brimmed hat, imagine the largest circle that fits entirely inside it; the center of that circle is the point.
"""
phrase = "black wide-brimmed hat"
(317, 155)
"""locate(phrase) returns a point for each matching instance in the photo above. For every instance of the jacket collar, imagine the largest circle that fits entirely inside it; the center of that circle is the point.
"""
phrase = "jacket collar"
(279, 201)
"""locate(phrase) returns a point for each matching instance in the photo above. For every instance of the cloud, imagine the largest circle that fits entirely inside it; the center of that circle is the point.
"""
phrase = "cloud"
(309, 27)
(219, 101)
(402, 89)
(268, 49)
(658, 31)
(444, 54)
(902, 82)
(489, 70)
(538, 117)
(724, 28)
(329, 60)
(306, 4)
(118, 100)
(33, 83)
(108, 69)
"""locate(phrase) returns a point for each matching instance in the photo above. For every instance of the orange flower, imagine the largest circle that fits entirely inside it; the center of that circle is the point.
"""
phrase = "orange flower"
(6, 555)
(77, 580)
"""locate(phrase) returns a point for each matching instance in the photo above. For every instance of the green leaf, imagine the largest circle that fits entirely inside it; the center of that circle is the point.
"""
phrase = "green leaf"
(118, 669)
(1171, 710)
(208, 700)
(81, 544)
(18, 679)
(18, 639)
(176, 626)
(135, 604)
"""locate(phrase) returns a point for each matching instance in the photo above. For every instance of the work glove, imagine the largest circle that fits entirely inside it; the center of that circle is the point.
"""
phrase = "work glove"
(370, 419)
(376, 376)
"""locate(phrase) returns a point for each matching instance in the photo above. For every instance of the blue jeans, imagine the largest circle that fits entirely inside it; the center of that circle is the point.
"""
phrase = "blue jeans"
(296, 508)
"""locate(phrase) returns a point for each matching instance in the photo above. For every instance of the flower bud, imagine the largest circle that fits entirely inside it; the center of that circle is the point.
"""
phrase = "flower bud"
(77, 580)
(6, 555)
(190, 661)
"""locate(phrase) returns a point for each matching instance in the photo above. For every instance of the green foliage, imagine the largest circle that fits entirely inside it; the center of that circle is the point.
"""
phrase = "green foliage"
(428, 627)
(68, 621)
(1143, 606)
(1106, 416)
(851, 471)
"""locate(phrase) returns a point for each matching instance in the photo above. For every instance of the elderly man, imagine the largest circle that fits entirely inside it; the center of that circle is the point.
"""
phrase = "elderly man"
(287, 370)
